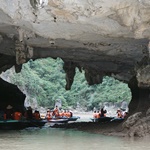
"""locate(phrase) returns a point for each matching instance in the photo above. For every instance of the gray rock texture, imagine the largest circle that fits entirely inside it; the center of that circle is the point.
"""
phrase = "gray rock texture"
(104, 37)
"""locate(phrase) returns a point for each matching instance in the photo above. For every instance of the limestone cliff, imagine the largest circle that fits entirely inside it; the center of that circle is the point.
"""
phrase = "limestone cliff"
(104, 37)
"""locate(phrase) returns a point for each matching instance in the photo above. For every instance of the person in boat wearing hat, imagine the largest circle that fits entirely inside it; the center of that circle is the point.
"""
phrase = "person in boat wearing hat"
(9, 112)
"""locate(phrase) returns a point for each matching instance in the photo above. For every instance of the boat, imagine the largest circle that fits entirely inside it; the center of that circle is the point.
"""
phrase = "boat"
(34, 123)
(73, 118)
(20, 124)
(58, 120)
(117, 119)
(102, 119)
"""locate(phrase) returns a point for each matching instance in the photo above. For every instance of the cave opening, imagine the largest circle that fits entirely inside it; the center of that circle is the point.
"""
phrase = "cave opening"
(43, 82)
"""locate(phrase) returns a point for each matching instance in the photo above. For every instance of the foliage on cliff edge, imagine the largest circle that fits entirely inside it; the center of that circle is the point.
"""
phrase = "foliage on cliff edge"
(44, 80)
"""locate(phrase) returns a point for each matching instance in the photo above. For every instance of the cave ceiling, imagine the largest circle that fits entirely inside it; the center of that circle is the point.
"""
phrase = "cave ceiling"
(105, 37)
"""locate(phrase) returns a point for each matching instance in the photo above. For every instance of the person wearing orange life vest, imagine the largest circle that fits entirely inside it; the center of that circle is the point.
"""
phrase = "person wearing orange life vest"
(36, 115)
(56, 112)
(95, 115)
(103, 112)
(65, 114)
(9, 112)
(17, 115)
(68, 114)
(48, 115)
(61, 114)
(98, 114)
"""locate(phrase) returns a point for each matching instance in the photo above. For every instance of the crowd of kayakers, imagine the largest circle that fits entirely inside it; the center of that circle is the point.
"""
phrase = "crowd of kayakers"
(15, 114)
(11, 113)
(99, 114)
(29, 114)
(56, 113)
(120, 113)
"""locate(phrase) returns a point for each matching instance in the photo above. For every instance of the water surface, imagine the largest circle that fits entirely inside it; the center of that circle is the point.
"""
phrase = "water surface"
(61, 139)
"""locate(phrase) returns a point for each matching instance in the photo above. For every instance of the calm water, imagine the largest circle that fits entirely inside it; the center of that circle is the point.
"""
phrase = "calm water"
(60, 139)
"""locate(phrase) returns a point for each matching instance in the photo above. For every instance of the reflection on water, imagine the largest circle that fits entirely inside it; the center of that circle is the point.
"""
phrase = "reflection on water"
(60, 139)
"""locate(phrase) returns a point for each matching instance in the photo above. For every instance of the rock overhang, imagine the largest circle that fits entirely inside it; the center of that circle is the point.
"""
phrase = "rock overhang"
(101, 37)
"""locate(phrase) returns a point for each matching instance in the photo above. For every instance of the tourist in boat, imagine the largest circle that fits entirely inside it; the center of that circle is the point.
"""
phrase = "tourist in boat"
(103, 113)
(17, 115)
(68, 114)
(48, 115)
(61, 114)
(65, 114)
(9, 112)
(95, 115)
(119, 114)
(71, 114)
(36, 115)
(98, 114)
(124, 114)
(56, 112)
(29, 113)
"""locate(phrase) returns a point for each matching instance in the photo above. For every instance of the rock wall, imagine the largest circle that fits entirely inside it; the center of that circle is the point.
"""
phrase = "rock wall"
(101, 37)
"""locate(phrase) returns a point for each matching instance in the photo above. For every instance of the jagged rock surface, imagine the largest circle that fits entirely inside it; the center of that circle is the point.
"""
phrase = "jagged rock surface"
(137, 125)
(105, 37)
(102, 37)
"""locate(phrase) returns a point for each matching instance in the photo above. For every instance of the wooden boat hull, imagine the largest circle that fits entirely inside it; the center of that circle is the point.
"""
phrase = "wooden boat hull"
(102, 119)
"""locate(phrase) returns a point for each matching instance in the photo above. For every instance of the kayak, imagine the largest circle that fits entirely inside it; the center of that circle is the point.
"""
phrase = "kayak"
(102, 119)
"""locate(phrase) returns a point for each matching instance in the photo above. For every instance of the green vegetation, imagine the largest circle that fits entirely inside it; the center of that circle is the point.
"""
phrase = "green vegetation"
(44, 80)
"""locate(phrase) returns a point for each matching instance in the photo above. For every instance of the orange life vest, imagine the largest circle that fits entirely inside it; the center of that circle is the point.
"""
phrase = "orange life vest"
(65, 114)
(48, 116)
(68, 114)
(61, 114)
(56, 112)
(97, 115)
(17, 115)
(5, 117)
